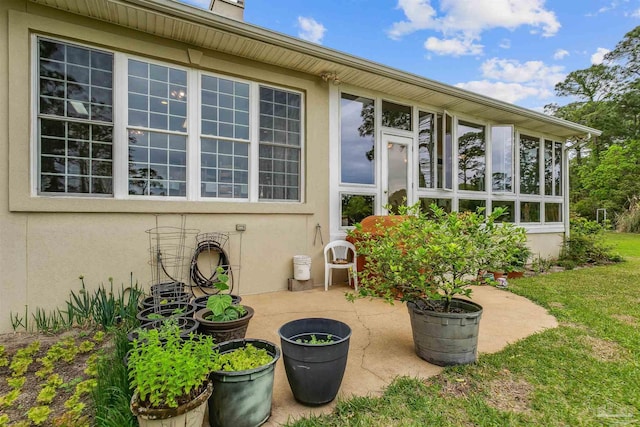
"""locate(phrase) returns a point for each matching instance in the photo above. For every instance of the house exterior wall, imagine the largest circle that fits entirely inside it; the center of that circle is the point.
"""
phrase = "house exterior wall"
(48, 242)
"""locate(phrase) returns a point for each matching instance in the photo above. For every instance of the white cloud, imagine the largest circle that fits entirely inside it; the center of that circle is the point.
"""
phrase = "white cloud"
(560, 54)
(511, 81)
(310, 29)
(466, 20)
(507, 92)
(598, 57)
(505, 44)
(453, 47)
(635, 13)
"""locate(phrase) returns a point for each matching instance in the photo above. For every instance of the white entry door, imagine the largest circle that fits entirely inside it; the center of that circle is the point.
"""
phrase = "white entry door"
(397, 183)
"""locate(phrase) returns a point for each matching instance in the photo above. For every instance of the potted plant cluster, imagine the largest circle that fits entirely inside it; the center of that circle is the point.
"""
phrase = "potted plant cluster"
(510, 262)
(315, 353)
(221, 318)
(170, 377)
(432, 258)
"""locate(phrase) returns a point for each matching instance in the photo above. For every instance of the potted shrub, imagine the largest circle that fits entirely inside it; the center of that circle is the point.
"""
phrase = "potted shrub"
(314, 351)
(433, 258)
(243, 383)
(511, 260)
(221, 318)
(170, 377)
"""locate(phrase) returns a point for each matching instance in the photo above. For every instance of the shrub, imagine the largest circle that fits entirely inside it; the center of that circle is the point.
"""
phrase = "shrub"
(585, 245)
(629, 220)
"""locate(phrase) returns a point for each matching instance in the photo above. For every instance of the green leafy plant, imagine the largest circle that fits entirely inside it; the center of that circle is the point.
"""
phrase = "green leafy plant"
(46, 395)
(430, 257)
(243, 358)
(39, 414)
(221, 305)
(314, 340)
(165, 370)
(585, 245)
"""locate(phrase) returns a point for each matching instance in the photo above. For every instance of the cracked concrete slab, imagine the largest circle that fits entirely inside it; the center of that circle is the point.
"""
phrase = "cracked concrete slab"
(381, 346)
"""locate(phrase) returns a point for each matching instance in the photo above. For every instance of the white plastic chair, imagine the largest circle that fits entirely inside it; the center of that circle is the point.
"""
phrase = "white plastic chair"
(337, 256)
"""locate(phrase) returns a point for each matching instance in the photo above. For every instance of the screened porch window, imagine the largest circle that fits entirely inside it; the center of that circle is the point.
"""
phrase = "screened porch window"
(471, 156)
(529, 165)
(426, 150)
(396, 116)
(502, 159)
(357, 140)
(355, 208)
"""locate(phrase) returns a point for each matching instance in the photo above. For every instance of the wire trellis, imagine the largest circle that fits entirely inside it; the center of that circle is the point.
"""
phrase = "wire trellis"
(212, 251)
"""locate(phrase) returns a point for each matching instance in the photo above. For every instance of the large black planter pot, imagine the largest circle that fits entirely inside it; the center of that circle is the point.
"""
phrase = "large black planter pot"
(201, 302)
(243, 398)
(167, 287)
(446, 338)
(314, 371)
(223, 331)
(187, 326)
(161, 299)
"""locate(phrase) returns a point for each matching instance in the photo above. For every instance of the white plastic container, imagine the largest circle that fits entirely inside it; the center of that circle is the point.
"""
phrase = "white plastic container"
(301, 267)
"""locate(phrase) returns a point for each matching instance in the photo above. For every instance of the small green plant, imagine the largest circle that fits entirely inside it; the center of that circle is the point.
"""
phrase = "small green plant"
(39, 414)
(46, 395)
(20, 321)
(86, 346)
(4, 420)
(315, 340)
(164, 369)
(221, 305)
(585, 245)
(243, 358)
(16, 382)
(9, 398)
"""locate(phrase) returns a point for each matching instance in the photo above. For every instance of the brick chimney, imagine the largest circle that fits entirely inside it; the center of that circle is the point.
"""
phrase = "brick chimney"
(233, 9)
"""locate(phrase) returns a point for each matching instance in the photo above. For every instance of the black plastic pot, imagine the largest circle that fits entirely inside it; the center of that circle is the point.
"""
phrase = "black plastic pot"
(243, 398)
(314, 371)
(446, 339)
(165, 311)
(167, 287)
(201, 302)
(160, 299)
(187, 326)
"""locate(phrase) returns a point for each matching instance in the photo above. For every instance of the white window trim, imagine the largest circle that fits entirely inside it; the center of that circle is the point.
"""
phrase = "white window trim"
(120, 145)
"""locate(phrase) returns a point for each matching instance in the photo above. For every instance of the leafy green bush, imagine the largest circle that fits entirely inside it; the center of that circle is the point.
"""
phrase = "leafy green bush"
(585, 245)
(629, 220)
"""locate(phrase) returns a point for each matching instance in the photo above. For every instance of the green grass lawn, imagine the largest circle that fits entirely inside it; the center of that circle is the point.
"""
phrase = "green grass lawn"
(586, 372)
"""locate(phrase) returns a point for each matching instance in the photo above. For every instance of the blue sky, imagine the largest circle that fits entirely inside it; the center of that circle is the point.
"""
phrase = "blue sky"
(513, 50)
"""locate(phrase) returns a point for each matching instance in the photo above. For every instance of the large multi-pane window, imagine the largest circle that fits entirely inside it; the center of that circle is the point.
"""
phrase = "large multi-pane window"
(75, 119)
(224, 144)
(357, 140)
(165, 150)
(157, 129)
(502, 159)
(529, 165)
(280, 144)
(471, 156)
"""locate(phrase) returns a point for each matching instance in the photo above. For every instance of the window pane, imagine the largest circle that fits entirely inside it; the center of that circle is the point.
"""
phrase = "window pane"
(470, 205)
(75, 156)
(553, 212)
(426, 150)
(396, 116)
(150, 164)
(529, 165)
(529, 212)
(357, 140)
(502, 158)
(471, 157)
(445, 146)
(510, 214)
(224, 169)
(557, 169)
(425, 204)
(355, 208)
(548, 167)
(218, 120)
(280, 141)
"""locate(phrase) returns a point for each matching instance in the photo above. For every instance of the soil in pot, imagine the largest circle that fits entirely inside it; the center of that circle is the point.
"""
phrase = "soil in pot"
(315, 354)
(446, 338)
(223, 331)
(243, 398)
(187, 326)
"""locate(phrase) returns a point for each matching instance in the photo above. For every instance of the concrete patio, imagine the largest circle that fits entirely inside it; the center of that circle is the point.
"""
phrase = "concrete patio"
(381, 343)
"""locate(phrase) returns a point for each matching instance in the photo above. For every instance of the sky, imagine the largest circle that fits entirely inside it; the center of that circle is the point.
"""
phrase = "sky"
(512, 50)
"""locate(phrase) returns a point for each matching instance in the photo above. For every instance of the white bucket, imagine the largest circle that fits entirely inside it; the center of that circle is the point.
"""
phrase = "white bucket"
(301, 267)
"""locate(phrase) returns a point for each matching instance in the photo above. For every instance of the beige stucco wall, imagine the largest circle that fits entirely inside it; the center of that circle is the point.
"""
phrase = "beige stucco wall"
(545, 245)
(47, 242)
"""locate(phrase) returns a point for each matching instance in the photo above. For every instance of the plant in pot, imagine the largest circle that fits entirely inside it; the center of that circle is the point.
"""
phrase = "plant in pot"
(433, 258)
(243, 383)
(223, 319)
(170, 377)
(315, 352)
(509, 262)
